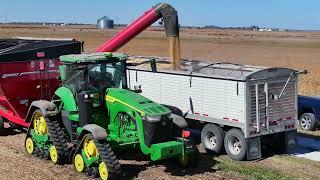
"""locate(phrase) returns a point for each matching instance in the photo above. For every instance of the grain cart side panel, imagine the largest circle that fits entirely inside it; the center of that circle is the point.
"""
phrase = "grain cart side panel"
(27, 77)
(29, 72)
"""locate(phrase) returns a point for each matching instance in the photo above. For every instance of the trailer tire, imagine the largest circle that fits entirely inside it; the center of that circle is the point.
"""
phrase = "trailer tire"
(212, 138)
(307, 121)
(235, 144)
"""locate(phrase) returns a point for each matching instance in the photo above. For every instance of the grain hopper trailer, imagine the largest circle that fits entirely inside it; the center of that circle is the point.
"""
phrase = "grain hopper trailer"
(28, 72)
(236, 107)
(93, 115)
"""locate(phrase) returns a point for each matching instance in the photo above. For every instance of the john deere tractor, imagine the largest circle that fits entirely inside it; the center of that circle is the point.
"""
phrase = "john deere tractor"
(93, 115)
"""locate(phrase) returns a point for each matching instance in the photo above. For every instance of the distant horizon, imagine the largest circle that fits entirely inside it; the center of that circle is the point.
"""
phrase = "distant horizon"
(285, 14)
(155, 25)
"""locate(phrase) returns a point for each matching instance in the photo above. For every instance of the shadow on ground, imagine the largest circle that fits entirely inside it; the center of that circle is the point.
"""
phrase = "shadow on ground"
(10, 131)
(206, 163)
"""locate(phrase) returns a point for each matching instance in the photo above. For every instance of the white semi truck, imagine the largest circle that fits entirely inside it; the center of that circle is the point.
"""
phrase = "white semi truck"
(237, 107)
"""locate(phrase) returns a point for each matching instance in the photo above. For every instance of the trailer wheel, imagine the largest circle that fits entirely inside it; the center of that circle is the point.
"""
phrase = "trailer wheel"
(307, 121)
(235, 144)
(212, 138)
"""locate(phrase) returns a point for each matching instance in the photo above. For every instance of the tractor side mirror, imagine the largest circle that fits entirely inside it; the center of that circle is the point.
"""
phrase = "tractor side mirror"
(137, 89)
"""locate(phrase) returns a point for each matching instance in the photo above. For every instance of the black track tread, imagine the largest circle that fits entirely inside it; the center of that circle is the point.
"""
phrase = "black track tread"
(58, 139)
(107, 155)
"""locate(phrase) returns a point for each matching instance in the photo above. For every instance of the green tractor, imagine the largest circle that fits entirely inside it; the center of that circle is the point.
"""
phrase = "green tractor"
(93, 115)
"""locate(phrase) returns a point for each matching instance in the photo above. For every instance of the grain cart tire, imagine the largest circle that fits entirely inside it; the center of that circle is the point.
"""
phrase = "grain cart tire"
(235, 144)
(212, 138)
(307, 121)
(1, 122)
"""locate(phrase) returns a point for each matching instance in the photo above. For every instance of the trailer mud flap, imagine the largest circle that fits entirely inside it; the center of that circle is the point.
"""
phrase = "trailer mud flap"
(254, 148)
(291, 139)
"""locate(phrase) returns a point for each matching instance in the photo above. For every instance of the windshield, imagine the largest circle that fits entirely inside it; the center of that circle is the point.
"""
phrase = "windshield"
(97, 76)
(106, 75)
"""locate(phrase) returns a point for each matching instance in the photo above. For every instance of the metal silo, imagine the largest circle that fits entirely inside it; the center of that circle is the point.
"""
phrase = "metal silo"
(105, 23)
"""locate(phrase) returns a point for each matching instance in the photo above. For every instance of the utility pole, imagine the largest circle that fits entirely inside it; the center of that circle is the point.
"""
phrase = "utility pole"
(5, 19)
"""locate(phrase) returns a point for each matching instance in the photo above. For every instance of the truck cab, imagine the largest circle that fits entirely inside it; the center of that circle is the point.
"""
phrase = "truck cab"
(309, 112)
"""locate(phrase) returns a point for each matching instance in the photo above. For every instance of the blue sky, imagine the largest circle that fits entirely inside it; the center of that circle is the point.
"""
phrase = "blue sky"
(292, 14)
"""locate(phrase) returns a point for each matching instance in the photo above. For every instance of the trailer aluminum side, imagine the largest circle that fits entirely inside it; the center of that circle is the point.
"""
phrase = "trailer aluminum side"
(259, 101)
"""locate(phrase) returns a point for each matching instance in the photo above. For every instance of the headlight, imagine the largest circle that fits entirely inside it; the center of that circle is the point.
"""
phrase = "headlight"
(153, 118)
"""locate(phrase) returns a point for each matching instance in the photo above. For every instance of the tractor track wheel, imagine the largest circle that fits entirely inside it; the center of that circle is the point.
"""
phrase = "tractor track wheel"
(94, 172)
(45, 155)
(36, 152)
(78, 163)
(110, 167)
(59, 141)
(29, 146)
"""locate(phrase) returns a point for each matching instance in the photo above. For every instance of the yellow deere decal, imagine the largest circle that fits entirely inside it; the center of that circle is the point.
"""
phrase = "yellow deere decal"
(110, 99)
(113, 100)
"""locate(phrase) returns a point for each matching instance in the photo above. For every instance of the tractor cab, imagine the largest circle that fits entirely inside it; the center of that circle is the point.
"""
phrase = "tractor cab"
(87, 77)
(95, 71)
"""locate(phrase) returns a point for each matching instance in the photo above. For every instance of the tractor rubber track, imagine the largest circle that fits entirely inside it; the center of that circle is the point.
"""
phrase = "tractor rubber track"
(107, 155)
(58, 139)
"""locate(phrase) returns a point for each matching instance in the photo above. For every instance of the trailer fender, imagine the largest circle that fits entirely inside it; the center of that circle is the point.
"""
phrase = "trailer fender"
(47, 108)
(179, 121)
(97, 132)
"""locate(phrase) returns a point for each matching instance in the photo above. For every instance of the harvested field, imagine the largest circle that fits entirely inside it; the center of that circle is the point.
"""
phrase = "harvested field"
(299, 50)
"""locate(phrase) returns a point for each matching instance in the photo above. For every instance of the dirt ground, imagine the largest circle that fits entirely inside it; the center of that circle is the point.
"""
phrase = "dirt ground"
(299, 50)
(16, 164)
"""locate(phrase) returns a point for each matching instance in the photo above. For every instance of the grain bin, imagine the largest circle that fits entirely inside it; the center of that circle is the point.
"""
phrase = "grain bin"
(105, 23)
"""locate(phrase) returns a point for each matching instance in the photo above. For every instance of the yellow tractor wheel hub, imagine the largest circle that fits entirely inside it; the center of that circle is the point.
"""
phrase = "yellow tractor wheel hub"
(90, 148)
(79, 163)
(39, 124)
(29, 146)
(53, 154)
(103, 171)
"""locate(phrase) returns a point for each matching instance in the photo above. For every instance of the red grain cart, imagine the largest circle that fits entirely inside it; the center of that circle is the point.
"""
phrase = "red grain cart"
(29, 71)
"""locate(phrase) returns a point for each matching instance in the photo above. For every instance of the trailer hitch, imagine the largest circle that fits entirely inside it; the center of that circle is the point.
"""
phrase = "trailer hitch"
(291, 76)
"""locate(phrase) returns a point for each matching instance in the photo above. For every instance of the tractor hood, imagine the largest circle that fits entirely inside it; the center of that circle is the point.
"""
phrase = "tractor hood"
(135, 101)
